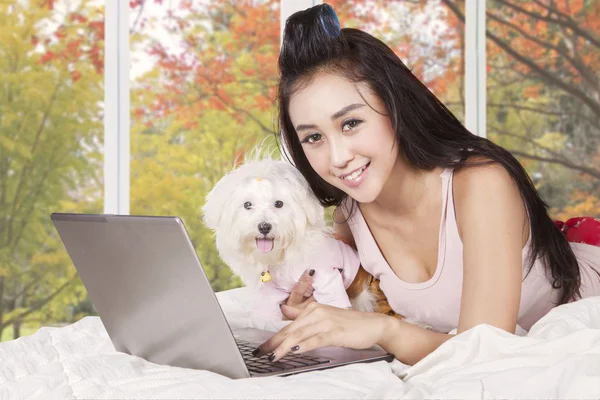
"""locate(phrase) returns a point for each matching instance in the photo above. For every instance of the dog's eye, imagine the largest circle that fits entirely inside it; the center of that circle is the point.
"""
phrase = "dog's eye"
(279, 204)
(247, 205)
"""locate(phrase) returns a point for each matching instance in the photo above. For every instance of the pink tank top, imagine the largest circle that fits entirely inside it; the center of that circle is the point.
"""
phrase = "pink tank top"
(437, 301)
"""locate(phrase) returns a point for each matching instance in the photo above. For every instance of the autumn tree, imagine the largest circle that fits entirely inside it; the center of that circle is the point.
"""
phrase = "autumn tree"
(426, 35)
(200, 109)
(50, 124)
(544, 95)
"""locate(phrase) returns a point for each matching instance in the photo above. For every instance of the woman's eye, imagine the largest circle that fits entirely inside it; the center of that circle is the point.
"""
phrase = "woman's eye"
(314, 138)
(279, 204)
(353, 123)
(247, 205)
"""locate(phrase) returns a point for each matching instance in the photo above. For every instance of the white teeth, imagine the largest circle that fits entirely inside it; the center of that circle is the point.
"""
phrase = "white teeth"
(355, 174)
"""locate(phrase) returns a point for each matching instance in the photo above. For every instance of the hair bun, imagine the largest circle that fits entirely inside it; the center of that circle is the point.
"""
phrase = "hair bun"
(310, 38)
(329, 20)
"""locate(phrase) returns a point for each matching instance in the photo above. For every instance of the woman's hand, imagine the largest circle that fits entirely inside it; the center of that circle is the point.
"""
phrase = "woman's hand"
(301, 295)
(320, 326)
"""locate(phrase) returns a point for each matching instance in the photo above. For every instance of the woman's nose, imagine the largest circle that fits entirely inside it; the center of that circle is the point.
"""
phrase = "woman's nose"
(341, 154)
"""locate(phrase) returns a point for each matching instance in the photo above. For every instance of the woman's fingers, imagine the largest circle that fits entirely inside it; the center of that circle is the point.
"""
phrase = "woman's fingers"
(301, 288)
(274, 341)
(321, 325)
(291, 313)
(309, 337)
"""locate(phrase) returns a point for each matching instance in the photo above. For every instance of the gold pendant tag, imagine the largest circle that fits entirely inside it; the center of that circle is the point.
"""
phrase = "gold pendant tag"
(265, 276)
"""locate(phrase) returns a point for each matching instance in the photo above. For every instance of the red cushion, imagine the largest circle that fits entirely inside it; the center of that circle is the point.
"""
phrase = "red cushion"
(581, 230)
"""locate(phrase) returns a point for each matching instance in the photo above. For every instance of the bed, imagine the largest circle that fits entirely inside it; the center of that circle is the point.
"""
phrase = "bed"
(558, 359)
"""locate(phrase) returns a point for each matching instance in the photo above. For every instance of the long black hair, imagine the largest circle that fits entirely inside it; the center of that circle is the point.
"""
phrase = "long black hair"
(429, 134)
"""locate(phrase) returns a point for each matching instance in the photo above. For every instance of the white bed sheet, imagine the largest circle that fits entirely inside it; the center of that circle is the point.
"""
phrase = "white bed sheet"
(559, 359)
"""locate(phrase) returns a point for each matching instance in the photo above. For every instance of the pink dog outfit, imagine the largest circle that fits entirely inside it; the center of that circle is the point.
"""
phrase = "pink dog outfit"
(436, 302)
(335, 264)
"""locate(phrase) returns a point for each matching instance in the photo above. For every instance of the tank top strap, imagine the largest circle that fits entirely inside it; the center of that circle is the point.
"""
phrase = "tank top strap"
(449, 222)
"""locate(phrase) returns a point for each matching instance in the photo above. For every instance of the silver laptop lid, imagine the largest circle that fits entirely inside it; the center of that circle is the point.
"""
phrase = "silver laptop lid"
(149, 288)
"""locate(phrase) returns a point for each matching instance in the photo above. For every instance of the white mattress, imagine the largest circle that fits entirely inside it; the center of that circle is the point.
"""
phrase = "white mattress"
(559, 359)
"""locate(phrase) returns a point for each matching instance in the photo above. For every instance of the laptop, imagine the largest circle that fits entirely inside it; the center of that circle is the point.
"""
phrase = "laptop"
(155, 300)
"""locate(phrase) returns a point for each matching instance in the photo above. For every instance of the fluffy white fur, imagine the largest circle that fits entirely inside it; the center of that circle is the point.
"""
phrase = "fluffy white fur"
(297, 227)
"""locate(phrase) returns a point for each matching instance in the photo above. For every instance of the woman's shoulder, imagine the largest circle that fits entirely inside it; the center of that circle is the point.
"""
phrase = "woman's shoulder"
(483, 178)
(480, 172)
(484, 187)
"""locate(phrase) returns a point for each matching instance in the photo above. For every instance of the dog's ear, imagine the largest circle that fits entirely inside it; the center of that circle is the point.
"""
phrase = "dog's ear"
(304, 195)
(218, 199)
(313, 209)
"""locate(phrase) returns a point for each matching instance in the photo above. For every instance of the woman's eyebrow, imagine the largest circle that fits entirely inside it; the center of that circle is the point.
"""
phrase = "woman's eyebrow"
(335, 116)
(346, 110)
(304, 127)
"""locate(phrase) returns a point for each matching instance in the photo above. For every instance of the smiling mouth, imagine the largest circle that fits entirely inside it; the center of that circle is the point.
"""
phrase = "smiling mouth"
(264, 244)
(356, 174)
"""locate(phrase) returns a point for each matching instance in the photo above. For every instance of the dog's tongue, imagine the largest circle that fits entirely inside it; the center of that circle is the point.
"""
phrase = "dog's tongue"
(264, 245)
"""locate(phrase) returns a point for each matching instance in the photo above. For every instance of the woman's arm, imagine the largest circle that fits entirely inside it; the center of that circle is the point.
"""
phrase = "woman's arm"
(409, 343)
(321, 325)
(493, 225)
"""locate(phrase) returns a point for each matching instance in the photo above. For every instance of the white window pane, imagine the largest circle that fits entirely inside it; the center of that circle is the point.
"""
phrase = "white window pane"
(51, 133)
(203, 87)
(116, 113)
(426, 35)
(543, 97)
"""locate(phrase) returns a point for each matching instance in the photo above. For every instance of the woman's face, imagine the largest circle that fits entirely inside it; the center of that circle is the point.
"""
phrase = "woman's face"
(347, 138)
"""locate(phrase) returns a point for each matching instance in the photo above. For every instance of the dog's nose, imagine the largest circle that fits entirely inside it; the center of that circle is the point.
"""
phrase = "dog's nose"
(264, 227)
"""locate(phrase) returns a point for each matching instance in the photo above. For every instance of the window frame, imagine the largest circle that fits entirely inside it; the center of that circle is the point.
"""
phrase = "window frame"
(475, 67)
(116, 107)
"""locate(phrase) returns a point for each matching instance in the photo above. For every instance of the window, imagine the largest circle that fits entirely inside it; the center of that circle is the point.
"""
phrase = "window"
(51, 124)
(203, 82)
(543, 97)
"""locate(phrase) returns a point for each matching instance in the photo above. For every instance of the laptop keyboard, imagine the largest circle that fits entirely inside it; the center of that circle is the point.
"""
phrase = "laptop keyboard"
(263, 365)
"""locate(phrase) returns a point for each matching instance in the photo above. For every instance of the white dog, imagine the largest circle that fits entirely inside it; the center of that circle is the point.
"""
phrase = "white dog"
(270, 229)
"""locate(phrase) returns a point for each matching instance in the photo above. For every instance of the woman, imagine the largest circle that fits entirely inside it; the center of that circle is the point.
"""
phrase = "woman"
(449, 222)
